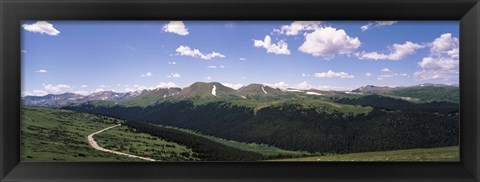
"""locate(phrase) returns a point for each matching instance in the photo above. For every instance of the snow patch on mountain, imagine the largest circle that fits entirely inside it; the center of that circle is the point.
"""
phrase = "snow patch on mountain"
(313, 93)
(214, 90)
(264, 90)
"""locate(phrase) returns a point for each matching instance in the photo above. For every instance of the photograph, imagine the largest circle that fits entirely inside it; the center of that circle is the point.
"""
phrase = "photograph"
(240, 91)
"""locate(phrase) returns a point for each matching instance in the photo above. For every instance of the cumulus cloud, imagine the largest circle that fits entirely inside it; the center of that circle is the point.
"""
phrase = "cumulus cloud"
(176, 27)
(208, 78)
(377, 24)
(386, 70)
(281, 47)
(328, 42)
(41, 27)
(187, 51)
(280, 85)
(397, 52)
(234, 86)
(332, 74)
(41, 71)
(166, 85)
(147, 74)
(443, 61)
(297, 27)
(445, 44)
(172, 62)
(368, 74)
(55, 89)
(174, 75)
(303, 86)
(35, 93)
(242, 59)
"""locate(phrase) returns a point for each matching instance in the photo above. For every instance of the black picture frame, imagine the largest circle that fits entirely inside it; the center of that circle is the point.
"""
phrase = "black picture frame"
(13, 11)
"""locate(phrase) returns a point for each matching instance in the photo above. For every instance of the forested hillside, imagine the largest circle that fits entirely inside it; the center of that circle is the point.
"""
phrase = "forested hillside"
(392, 124)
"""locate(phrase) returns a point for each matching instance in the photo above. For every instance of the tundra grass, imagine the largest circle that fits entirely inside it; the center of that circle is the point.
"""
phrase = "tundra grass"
(61, 135)
(442, 154)
(127, 140)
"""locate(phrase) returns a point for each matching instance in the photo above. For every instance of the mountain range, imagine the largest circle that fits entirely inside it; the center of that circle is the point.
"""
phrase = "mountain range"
(423, 92)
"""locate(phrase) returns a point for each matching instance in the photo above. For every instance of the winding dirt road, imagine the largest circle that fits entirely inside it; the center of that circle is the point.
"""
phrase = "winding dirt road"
(94, 144)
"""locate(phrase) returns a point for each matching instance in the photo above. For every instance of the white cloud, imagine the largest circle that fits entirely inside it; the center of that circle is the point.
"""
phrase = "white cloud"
(174, 75)
(84, 86)
(328, 42)
(329, 87)
(377, 24)
(232, 85)
(305, 75)
(37, 93)
(303, 86)
(172, 62)
(439, 63)
(176, 27)
(386, 70)
(443, 61)
(34, 93)
(41, 71)
(368, 74)
(397, 52)
(382, 77)
(280, 85)
(187, 51)
(221, 66)
(82, 92)
(41, 27)
(138, 87)
(306, 86)
(242, 59)
(55, 89)
(365, 27)
(208, 78)
(128, 89)
(103, 86)
(212, 67)
(147, 74)
(281, 47)
(385, 23)
(296, 27)
(436, 74)
(99, 90)
(444, 44)
(332, 74)
(166, 85)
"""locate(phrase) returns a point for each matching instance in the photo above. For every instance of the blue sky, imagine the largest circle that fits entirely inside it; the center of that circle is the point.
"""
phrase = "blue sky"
(89, 56)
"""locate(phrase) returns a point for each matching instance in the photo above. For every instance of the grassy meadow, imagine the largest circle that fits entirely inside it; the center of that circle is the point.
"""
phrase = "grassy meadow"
(444, 154)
